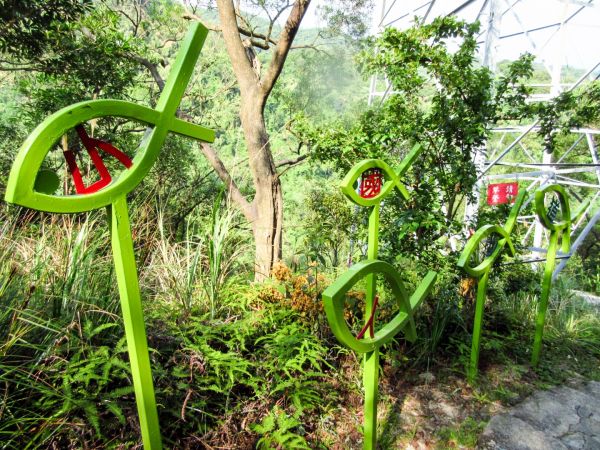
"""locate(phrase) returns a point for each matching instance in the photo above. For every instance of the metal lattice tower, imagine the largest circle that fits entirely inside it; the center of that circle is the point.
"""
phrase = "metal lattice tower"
(560, 34)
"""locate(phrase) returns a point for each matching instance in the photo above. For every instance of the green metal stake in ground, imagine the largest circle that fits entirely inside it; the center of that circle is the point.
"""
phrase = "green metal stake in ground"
(31, 187)
(372, 191)
(482, 270)
(560, 230)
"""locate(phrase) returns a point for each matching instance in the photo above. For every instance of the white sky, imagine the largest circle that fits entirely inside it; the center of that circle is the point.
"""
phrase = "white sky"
(577, 45)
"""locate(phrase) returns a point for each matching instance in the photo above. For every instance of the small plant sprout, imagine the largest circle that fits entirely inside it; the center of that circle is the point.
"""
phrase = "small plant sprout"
(34, 188)
(378, 180)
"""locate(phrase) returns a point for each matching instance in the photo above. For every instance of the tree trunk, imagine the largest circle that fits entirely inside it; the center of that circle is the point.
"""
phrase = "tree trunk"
(267, 229)
(267, 206)
(265, 212)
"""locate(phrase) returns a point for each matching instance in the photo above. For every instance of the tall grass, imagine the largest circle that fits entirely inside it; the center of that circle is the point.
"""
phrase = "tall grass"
(195, 272)
(224, 249)
(56, 304)
(172, 270)
(64, 375)
(572, 325)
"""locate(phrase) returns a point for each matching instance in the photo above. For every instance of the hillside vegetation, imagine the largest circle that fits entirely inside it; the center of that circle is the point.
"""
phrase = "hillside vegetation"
(243, 364)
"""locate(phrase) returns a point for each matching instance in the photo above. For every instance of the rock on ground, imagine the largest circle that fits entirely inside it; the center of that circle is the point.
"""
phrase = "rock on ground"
(590, 299)
(563, 418)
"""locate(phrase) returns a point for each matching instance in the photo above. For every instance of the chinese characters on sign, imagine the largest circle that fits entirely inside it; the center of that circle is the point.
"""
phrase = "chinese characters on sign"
(372, 180)
(501, 193)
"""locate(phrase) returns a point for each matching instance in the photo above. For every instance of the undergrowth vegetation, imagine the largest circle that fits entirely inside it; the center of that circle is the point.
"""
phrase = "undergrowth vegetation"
(251, 367)
(223, 364)
(239, 364)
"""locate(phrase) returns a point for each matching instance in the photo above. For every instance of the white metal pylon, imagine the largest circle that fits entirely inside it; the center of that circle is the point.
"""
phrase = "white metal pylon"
(559, 33)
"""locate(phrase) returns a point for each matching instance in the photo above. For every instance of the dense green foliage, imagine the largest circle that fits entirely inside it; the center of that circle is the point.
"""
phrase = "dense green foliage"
(259, 369)
(567, 111)
(206, 366)
(28, 28)
(440, 99)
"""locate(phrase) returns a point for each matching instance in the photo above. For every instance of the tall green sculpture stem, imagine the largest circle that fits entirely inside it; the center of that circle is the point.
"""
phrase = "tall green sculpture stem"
(30, 187)
(482, 271)
(371, 359)
(559, 231)
(335, 295)
(133, 319)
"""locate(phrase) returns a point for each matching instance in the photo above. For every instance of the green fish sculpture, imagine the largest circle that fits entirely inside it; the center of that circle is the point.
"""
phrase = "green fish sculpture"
(34, 188)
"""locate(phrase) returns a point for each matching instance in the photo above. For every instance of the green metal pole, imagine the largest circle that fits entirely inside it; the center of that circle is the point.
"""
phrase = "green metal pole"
(371, 359)
(543, 304)
(479, 307)
(371, 385)
(133, 319)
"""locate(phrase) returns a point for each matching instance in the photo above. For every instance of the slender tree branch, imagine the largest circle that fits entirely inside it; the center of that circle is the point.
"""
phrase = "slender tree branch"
(166, 42)
(152, 68)
(16, 69)
(314, 47)
(274, 19)
(283, 46)
(211, 26)
(134, 23)
(259, 44)
(240, 16)
(315, 44)
(291, 161)
(280, 174)
(234, 191)
(265, 40)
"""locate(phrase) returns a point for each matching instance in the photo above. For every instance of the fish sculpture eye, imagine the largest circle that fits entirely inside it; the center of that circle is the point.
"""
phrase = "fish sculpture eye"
(385, 178)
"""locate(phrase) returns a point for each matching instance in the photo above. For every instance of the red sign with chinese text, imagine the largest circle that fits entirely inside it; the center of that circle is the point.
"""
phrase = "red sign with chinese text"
(501, 193)
(371, 183)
